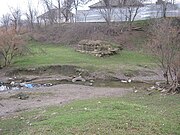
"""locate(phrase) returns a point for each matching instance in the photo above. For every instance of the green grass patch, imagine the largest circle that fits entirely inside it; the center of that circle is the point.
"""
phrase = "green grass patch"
(135, 114)
(56, 54)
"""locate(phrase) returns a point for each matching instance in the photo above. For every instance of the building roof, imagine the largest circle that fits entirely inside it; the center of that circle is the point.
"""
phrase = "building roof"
(117, 3)
(54, 12)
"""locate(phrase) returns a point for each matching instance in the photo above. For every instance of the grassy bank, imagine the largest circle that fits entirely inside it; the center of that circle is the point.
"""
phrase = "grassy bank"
(54, 54)
(135, 114)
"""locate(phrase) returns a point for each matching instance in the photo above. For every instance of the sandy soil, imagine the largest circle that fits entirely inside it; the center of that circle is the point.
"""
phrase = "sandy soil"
(55, 95)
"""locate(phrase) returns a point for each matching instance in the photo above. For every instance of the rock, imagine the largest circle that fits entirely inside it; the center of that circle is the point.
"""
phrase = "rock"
(79, 78)
(15, 88)
(164, 90)
(129, 80)
(91, 81)
(22, 84)
(48, 84)
(12, 83)
(158, 83)
(54, 113)
(21, 118)
(135, 91)
(10, 79)
(124, 81)
(151, 88)
(90, 84)
(1, 83)
(23, 96)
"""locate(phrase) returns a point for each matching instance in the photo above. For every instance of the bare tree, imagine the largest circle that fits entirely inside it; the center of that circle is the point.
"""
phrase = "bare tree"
(59, 10)
(51, 13)
(130, 9)
(165, 46)
(106, 10)
(10, 45)
(31, 16)
(67, 7)
(164, 6)
(77, 3)
(5, 21)
(85, 14)
(16, 18)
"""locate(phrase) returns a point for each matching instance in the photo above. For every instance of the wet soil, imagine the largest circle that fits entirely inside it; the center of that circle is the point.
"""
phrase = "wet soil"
(63, 90)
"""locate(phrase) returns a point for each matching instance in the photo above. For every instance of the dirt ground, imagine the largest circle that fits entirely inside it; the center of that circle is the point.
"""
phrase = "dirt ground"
(60, 94)
(55, 95)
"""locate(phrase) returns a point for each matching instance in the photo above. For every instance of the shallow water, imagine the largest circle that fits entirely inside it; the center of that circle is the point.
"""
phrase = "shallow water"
(94, 83)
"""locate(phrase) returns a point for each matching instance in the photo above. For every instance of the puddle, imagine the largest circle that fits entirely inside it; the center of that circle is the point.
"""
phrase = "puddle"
(119, 84)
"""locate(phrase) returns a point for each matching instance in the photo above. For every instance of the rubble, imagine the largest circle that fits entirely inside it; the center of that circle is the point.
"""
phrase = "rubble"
(97, 48)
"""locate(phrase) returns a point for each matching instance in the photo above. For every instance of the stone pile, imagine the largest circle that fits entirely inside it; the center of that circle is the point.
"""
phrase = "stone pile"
(97, 47)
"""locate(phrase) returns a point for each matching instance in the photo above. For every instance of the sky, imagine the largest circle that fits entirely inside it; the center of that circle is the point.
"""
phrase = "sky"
(6, 5)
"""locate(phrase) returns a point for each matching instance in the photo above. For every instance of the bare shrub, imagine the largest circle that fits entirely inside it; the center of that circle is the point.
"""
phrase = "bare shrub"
(73, 33)
(165, 45)
(11, 45)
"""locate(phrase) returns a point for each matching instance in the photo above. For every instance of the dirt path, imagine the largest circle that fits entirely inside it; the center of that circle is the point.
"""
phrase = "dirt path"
(55, 95)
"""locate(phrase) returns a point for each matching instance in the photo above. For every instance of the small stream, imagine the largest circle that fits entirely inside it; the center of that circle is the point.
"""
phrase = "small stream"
(13, 85)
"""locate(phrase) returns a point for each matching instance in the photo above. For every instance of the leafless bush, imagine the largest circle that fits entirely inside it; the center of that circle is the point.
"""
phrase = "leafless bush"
(73, 33)
(11, 45)
(165, 45)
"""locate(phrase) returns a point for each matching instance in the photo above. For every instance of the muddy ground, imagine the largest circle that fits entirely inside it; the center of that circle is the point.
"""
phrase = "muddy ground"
(63, 90)
(55, 95)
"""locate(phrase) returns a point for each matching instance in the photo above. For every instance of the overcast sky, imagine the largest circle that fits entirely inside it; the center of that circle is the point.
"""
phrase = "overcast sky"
(5, 5)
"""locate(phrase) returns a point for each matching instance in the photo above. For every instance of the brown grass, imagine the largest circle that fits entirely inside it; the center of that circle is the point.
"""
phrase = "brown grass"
(71, 34)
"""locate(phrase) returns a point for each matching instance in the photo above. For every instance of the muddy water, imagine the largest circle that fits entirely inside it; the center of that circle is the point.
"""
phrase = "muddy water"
(119, 84)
